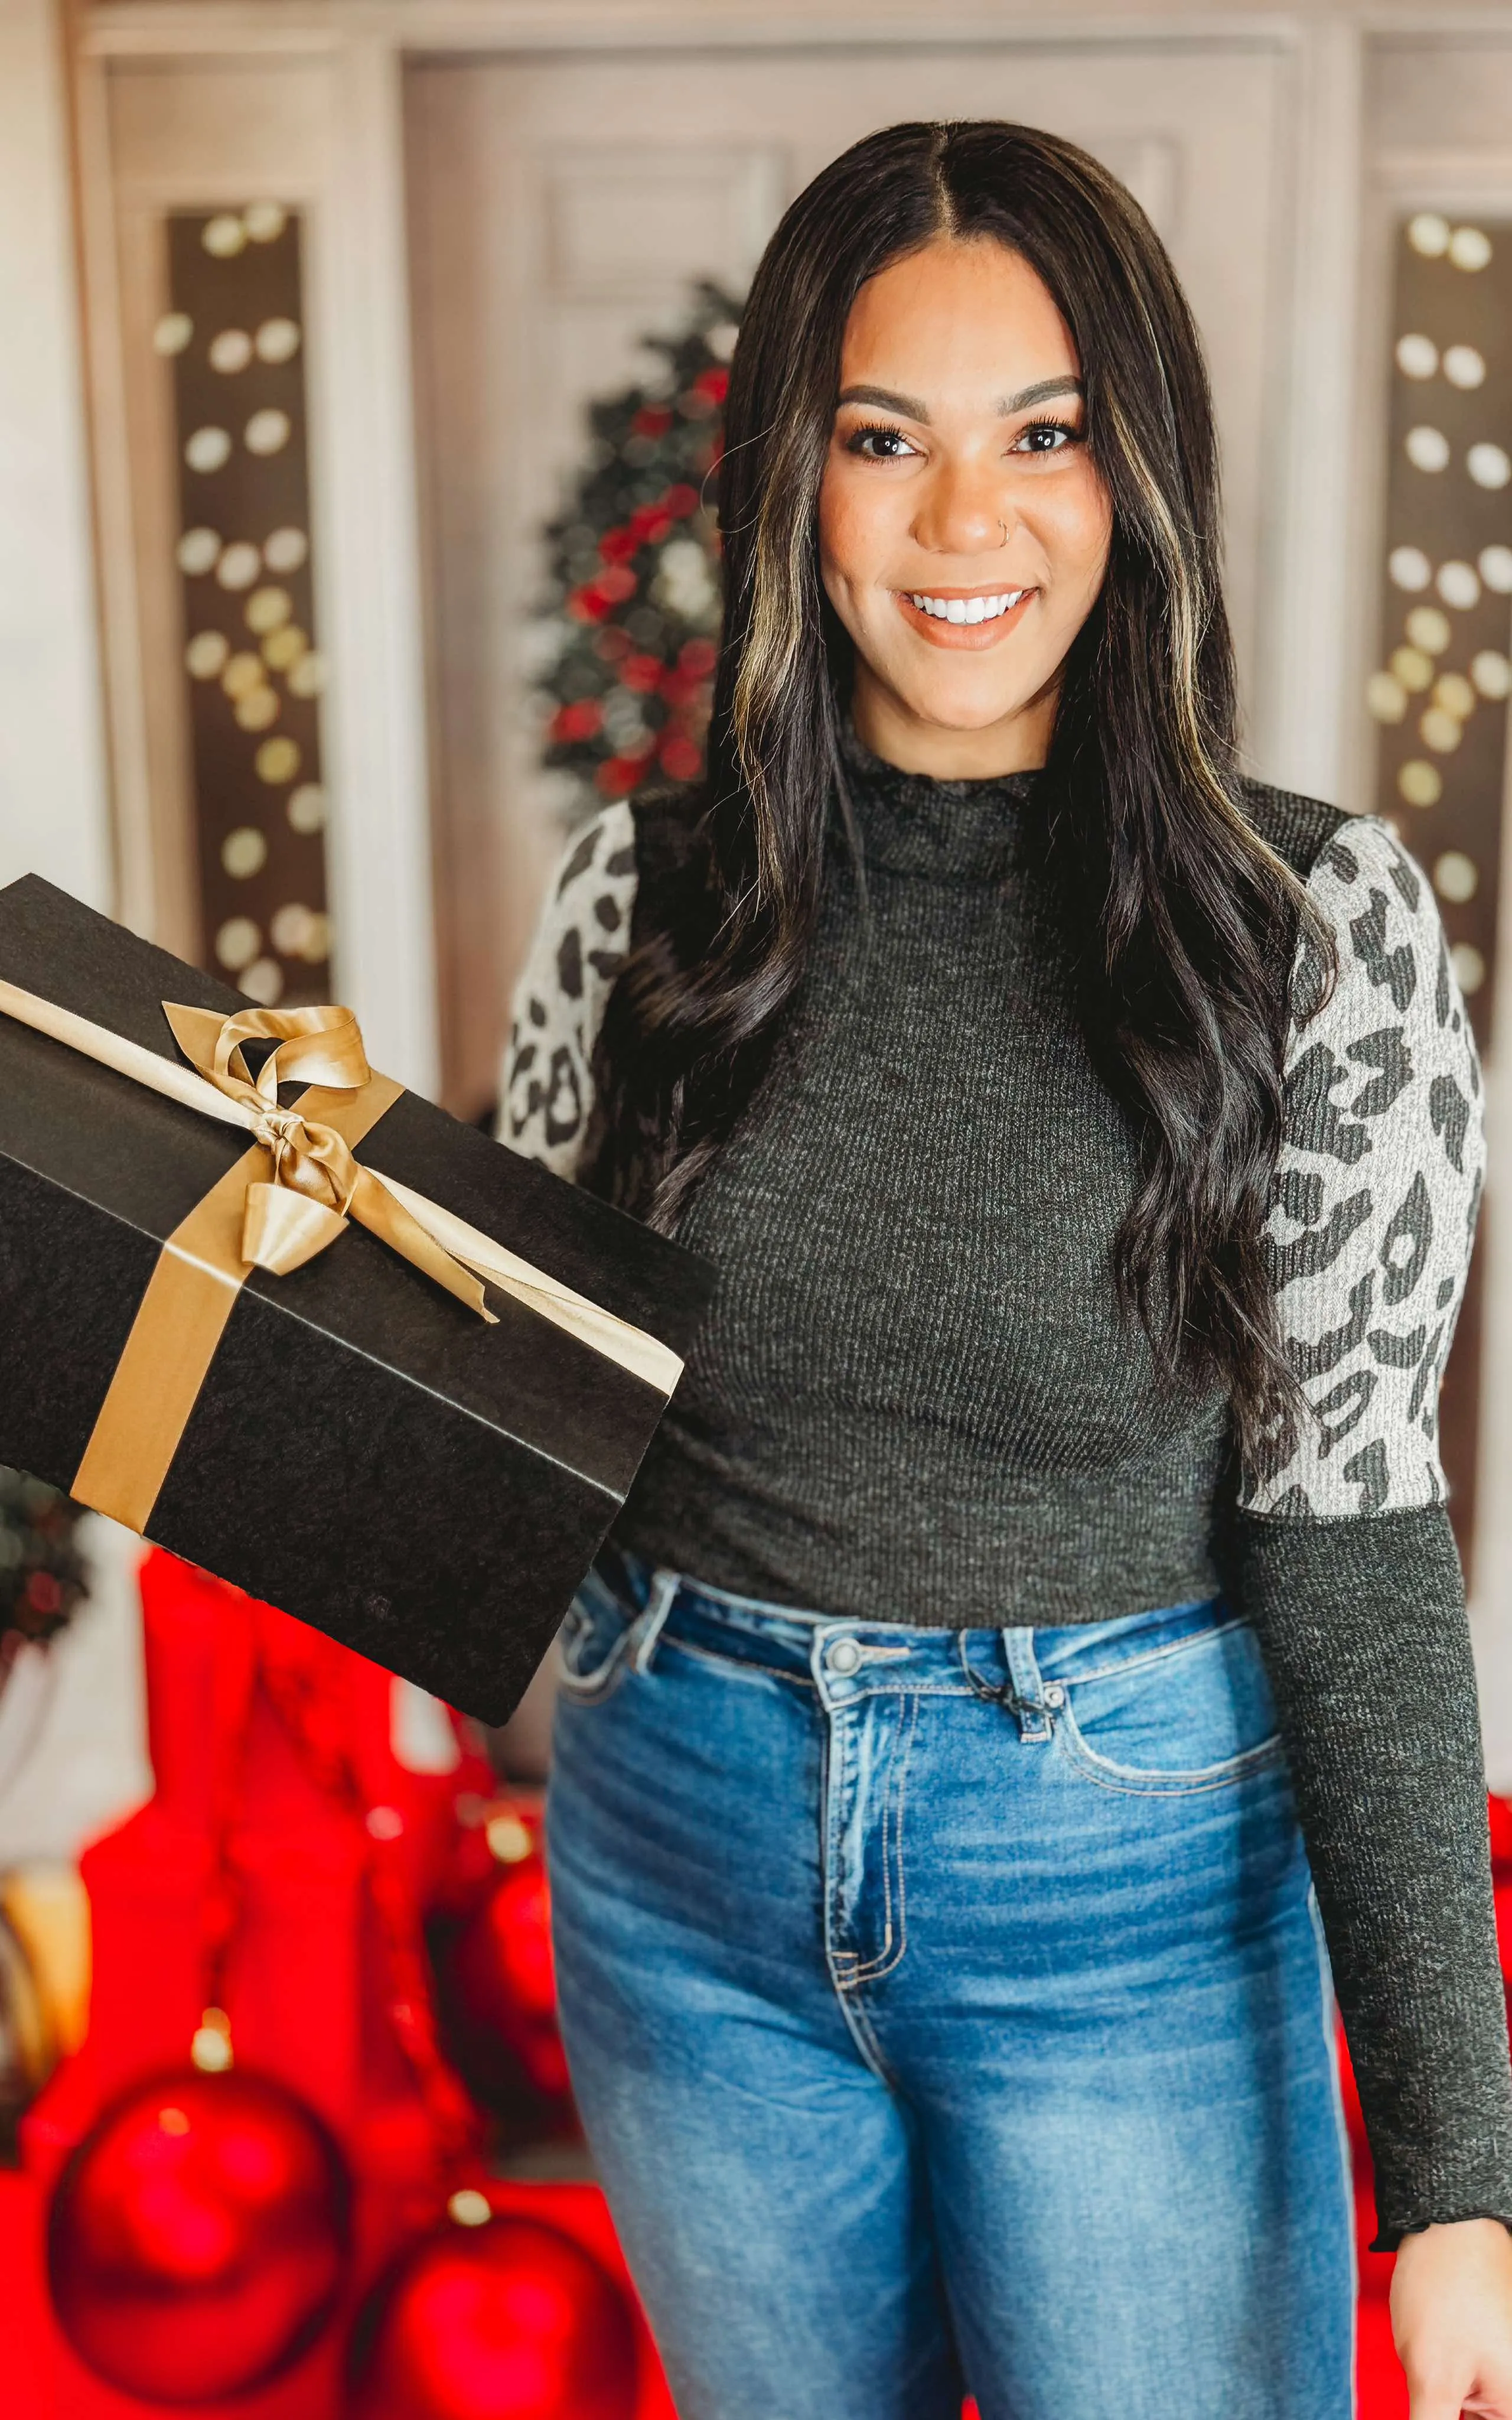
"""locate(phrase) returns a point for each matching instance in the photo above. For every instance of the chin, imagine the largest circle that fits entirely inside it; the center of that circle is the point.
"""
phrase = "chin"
(964, 708)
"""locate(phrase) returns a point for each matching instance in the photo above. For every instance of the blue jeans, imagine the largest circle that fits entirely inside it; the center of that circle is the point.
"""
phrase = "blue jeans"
(948, 2010)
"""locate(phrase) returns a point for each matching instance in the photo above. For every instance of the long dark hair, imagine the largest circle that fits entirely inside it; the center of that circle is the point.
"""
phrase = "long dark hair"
(1181, 972)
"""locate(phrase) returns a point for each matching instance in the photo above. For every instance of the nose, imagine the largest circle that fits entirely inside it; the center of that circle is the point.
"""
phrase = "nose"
(964, 511)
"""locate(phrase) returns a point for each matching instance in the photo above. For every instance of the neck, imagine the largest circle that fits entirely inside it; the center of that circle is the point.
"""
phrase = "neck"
(1019, 743)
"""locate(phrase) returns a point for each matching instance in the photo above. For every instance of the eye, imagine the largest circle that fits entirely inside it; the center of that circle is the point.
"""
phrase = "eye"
(1046, 437)
(879, 444)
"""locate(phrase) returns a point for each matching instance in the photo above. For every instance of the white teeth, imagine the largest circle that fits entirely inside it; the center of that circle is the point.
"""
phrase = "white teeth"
(967, 609)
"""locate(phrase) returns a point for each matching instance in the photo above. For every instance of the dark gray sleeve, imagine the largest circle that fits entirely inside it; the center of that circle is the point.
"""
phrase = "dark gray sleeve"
(1363, 1626)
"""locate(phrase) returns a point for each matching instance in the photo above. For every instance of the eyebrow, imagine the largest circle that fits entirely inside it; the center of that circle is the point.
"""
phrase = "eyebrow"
(909, 407)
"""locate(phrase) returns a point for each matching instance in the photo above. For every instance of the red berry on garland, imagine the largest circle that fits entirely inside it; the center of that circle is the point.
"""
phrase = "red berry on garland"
(507, 2320)
(619, 775)
(681, 761)
(198, 2237)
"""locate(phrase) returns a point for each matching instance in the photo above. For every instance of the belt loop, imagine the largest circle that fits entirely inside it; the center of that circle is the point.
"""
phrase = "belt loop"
(1025, 1695)
(651, 1621)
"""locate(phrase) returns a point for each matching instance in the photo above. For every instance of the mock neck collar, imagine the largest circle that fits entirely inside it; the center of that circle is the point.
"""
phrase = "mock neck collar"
(955, 831)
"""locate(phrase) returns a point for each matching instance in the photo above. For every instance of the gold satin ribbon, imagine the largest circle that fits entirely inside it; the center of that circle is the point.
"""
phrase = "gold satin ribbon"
(285, 1199)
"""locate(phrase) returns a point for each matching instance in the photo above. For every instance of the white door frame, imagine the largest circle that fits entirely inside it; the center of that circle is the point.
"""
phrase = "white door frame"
(366, 552)
(54, 806)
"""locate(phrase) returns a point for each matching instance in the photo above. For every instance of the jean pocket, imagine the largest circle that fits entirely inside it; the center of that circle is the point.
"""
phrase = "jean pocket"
(594, 1642)
(1195, 1716)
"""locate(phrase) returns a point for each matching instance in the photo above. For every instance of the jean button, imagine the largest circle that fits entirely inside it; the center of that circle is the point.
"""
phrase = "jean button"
(845, 1656)
(1055, 1696)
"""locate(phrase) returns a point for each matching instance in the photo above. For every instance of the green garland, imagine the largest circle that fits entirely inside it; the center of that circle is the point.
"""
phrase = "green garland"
(42, 1574)
(631, 619)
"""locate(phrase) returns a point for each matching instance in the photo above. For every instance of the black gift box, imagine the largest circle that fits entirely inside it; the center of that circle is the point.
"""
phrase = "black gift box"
(365, 1451)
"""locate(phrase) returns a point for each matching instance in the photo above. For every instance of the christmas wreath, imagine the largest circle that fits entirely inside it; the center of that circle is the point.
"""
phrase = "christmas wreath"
(630, 625)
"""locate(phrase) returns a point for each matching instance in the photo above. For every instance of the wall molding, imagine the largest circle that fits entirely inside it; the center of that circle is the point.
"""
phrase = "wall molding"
(53, 789)
(126, 28)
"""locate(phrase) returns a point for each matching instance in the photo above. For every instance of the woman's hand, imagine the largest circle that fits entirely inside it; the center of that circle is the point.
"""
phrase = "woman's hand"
(1451, 2313)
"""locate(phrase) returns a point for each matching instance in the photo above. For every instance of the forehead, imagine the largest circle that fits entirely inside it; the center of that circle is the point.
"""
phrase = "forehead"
(965, 319)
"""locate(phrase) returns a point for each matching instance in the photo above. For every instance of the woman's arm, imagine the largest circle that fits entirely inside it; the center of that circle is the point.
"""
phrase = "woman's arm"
(579, 944)
(1347, 1565)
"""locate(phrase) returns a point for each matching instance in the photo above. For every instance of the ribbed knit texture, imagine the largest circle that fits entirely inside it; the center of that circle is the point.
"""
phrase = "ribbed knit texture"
(915, 1400)
(1362, 1628)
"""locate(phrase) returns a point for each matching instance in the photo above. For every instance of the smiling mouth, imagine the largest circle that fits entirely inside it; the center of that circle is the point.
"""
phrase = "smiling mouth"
(967, 609)
(969, 618)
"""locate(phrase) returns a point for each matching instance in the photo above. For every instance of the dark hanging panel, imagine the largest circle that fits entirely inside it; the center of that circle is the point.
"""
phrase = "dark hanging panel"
(1439, 694)
(252, 672)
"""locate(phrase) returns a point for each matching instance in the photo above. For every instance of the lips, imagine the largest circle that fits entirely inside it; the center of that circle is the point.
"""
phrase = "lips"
(969, 618)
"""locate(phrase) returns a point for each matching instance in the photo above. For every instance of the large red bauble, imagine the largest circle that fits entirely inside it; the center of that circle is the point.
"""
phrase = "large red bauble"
(512, 2320)
(503, 1980)
(198, 2237)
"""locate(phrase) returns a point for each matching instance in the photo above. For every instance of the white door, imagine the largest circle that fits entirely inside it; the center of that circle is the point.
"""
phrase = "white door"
(560, 206)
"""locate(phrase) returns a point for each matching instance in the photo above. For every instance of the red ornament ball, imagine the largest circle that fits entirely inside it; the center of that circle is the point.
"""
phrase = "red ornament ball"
(504, 1977)
(511, 2321)
(198, 2237)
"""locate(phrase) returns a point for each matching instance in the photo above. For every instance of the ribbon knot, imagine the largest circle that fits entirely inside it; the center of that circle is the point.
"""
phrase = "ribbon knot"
(308, 1159)
(315, 1183)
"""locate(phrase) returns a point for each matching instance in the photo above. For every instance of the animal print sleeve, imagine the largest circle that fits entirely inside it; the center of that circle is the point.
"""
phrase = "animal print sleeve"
(1342, 1554)
(547, 1096)
(1374, 1206)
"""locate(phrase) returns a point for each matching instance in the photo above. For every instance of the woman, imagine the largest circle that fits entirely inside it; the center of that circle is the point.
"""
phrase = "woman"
(1048, 1536)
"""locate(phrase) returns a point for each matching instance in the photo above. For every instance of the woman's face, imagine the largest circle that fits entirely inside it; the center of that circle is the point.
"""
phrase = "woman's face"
(963, 531)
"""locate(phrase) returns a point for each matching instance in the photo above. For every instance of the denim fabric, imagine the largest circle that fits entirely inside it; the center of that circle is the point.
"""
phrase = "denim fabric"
(950, 2008)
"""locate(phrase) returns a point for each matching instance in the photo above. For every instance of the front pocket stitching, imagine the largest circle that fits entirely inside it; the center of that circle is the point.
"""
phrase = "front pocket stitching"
(1163, 1782)
(599, 1683)
(1154, 1654)
(735, 1668)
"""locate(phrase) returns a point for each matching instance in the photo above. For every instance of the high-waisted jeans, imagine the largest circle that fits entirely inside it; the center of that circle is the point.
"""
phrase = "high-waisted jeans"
(948, 2010)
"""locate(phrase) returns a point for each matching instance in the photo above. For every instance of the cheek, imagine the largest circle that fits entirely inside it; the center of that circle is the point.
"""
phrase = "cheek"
(1077, 531)
(853, 525)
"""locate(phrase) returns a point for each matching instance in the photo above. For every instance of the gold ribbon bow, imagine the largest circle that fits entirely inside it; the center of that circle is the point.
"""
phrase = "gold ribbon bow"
(317, 1185)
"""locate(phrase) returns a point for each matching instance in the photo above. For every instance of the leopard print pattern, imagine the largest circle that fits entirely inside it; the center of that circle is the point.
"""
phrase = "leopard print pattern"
(547, 1093)
(1374, 1202)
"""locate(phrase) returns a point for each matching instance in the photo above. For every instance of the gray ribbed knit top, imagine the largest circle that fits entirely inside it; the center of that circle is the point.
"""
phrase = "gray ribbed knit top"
(915, 1399)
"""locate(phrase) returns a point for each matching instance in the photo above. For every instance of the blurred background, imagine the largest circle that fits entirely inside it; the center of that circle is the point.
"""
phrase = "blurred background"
(361, 366)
